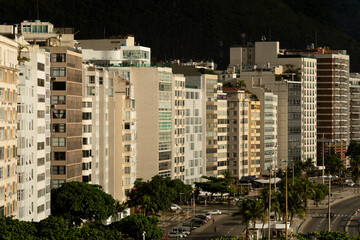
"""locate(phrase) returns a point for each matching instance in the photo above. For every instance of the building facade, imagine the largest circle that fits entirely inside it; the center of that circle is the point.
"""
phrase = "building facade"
(8, 128)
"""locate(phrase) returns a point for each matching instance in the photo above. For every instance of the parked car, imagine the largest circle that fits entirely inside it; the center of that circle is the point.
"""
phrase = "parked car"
(181, 230)
(198, 221)
(208, 215)
(175, 207)
(215, 212)
(202, 216)
(188, 226)
(176, 234)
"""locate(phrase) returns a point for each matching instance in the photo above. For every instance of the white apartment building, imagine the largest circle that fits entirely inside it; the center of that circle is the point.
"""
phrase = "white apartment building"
(114, 52)
(8, 120)
(355, 107)
(194, 141)
(222, 132)
(179, 127)
(33, 108)
(271, 68)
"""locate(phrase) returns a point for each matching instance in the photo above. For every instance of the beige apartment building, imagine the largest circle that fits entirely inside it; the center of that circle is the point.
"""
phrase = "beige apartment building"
(222, 132)
(254, 139)
(355, 107)
(238, 131)
(67, 116)
(8, 121)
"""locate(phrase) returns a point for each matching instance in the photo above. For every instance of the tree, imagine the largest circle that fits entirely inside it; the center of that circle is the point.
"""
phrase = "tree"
(320, 192)
(353, 152)
(275, 205)
(240, 84)
(250, 210)
(14, 229)
(324, 235)
(53, 228)
(93, 231)
(308, 167)
(333, 164)
(158, 194)
(216, 184)
(77, 201)
(305, 188)
(134, 226)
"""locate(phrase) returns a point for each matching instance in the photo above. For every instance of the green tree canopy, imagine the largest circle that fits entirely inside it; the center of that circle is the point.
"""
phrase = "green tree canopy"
(77, 201)
(333, 164)
(14, 229)
(157, 194)
(133, 226)
(324, 235)
(320, 192)
(216, 184)
(353, 152)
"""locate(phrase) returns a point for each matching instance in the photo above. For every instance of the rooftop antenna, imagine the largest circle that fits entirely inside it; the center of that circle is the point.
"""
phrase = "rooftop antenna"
(316, 39)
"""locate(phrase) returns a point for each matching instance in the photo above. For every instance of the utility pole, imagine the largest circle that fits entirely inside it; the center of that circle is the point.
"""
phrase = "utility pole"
(286, 203)
(329, 214)
(323, 158)
(269, 210)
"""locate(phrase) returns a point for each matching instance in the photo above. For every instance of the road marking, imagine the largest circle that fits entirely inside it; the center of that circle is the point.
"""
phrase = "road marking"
(322, 220)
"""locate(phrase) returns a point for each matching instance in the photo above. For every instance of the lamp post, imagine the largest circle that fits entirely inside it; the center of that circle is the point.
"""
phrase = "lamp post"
(143, 234)
(323, 158)
(286, 199)
(269, 210)
(329, 214)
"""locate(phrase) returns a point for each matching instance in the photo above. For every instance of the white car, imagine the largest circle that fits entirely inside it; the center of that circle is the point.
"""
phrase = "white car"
(176, 234)
(175, 207)
(215, 212)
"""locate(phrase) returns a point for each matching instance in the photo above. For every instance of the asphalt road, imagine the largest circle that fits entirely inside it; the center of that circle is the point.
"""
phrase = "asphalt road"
(342, 212)
(226, 226)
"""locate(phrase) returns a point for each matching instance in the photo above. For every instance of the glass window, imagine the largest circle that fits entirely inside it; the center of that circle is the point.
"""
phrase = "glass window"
(58, 142)
(58, 72)
(58, 57)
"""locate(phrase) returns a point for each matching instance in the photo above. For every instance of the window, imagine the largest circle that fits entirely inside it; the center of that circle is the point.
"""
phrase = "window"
(164, 86)
(58, 72)
(41, 114)
(57, 183)
(86, 141)
(41, 82)
(164, 155)
(40, 145)
(127, 170)
(58, 100)
(86, 153)
(59, 114)
(41, 177)
(92, 79)
(59, 156)
(40, 208)
(59, 142)
(41, 192)
(41, 98)
(87, 128)
(60, 127)
(86, 116)
(40, 161)
(59, 86)
(58, 57)
(1, 172)
(59, 170)
(40, 66)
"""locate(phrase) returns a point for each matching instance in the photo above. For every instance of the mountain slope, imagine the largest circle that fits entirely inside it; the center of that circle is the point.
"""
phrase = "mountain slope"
(202, 29)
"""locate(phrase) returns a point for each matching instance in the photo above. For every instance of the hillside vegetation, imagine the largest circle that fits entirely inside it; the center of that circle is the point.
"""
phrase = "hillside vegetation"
(202, 29)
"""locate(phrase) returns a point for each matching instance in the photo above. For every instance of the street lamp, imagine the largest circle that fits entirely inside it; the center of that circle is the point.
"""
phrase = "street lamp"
(286, 199)
(269, 211)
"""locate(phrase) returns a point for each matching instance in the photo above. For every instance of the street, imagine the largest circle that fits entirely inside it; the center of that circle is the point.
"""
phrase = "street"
(342, 211)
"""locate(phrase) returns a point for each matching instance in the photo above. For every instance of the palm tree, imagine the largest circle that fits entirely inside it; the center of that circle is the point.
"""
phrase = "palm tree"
(305, 188)
(245, 213)
(250, 211)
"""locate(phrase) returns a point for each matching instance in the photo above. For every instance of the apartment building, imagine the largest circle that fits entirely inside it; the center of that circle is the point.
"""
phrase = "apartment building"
(194, 141)
(332, 99)
(238, 102)
(179, 125)
(222, 135)
(66, 115)
(33, 115)
(277, 72)
(354, 107)
(115, 52)
(8, 120)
